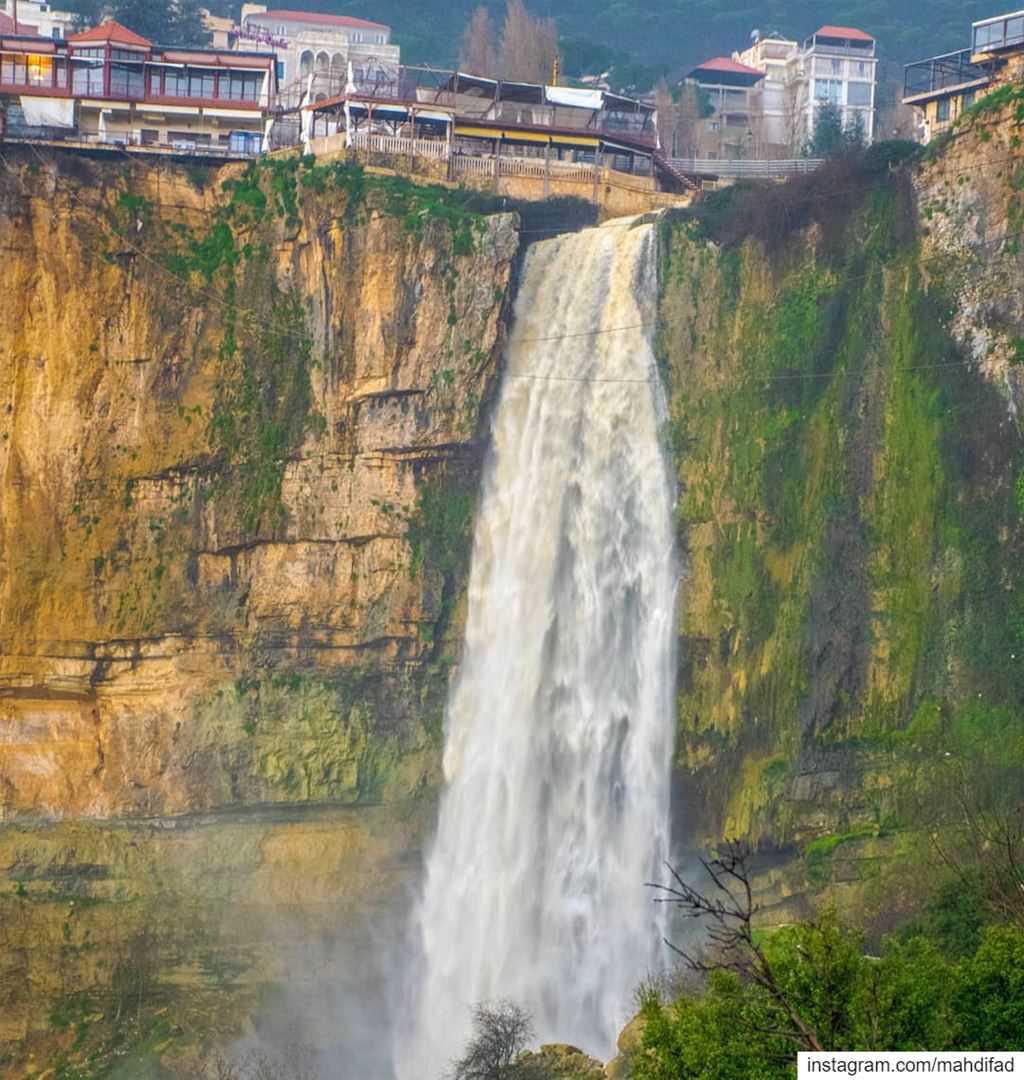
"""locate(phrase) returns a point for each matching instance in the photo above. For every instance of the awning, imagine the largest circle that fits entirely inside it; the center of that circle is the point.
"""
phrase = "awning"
(48, 112)
(473, 131)
(577, 99)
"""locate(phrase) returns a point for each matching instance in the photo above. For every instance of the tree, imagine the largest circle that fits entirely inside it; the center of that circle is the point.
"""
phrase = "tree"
(501, 1032)
(830, 136)
(171, 22)
(478, 54)
(729, 915)
(529, 46)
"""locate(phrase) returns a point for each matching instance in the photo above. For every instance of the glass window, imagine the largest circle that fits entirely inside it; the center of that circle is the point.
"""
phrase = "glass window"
(87, 80)
(40, 71)
(942, 109)
(837, 67)
(1015, 30)
(98, 54)
(126, 80)
(240, 86)
(200, 84)
(126, 54)
(828, 90)
(969, 99)
(858, 93)
(13, 70)
(175, 82)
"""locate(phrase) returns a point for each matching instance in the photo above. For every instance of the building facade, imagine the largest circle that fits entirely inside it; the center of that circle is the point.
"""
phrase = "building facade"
(777, 127)
(942, 88)
(36, 17)
(314, 50)
(836, 66)
(729, 121)
(111, 86)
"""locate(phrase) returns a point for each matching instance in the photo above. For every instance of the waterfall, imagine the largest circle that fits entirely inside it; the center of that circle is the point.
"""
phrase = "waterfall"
(559, 724)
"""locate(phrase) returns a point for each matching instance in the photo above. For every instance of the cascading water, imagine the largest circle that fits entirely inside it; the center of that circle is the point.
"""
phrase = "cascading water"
(559, 726)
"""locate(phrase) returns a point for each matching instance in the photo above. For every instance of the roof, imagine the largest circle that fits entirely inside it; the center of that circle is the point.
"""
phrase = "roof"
(322, 20)
(110, 30)
(847, 33)
(722, 65)
(7, 26)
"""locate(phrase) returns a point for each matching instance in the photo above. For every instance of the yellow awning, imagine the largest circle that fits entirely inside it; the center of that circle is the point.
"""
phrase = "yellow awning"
(474, 132)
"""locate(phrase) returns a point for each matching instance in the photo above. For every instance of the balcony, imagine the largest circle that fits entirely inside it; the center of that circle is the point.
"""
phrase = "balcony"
(943, 73)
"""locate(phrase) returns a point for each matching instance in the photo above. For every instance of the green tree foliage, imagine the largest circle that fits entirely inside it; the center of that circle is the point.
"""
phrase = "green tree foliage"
(911, 997)
(831, 136)
(164, 22)
(648, 35)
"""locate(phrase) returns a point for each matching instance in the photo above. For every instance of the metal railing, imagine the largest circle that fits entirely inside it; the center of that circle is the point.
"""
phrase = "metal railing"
(78, 141)
(941, 72)
(746, 168)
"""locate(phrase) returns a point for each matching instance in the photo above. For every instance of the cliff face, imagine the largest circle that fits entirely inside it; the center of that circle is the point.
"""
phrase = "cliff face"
(240, 420)
(845, 392)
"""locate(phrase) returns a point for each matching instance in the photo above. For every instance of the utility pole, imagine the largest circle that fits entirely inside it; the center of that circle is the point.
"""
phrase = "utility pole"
(15, 18)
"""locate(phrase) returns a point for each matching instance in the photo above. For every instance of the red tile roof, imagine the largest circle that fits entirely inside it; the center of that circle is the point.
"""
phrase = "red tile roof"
(847, 33)
(732, 67)
(7, 26)
(110, 30)
(323, 20)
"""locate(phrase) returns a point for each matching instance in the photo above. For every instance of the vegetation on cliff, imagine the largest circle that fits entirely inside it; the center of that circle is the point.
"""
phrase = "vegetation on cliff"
(851, 649)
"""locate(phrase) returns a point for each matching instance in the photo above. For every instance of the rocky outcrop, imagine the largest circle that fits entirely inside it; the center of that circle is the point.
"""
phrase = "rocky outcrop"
(240, 438)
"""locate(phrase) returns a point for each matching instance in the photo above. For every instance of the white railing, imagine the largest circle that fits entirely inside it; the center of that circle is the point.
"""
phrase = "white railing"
(397, 144)
(479, 166)
(746, 167)
(535, 168)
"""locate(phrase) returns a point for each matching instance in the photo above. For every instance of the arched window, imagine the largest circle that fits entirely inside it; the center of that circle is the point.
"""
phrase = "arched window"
(323, 63)
(305, 64)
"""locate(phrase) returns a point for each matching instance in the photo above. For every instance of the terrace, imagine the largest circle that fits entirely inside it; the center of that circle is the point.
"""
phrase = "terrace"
(944, 74)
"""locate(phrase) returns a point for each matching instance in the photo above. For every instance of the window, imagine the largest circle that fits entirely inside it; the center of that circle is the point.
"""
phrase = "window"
(57, 33)
(969, 96)
(1015, 30)
(126, 54)
(95, 54)
(13, 70)
(87, 79)
(858, 93)
(40, 71)
(201, 84)
(828, 90)
(126, 80)
(239, 86)
(175, 82)
(942, 110)
(837, 67)
(862, 68)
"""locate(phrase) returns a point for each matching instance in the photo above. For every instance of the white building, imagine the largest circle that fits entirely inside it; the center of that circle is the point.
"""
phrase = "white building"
(836, 65)
(775, 56)
(36, 17)
(310, 45)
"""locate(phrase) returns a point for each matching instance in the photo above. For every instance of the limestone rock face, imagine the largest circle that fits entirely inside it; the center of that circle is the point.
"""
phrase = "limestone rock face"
(241, 430)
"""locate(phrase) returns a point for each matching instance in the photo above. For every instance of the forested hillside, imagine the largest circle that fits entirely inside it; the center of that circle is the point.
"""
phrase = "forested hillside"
(640, 38)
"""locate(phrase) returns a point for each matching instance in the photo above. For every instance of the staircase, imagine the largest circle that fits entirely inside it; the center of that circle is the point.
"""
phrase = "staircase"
(673, 172)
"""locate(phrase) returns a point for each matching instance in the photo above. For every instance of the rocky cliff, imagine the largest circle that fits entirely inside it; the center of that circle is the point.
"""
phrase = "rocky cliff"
(843, 357)
(240, 435)
(241, 422)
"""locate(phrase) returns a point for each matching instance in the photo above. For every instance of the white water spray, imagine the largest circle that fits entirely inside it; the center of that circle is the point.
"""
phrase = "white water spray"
(559, 727)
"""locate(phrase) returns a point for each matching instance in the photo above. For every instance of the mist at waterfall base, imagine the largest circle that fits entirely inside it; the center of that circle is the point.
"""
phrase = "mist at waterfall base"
(559, 724)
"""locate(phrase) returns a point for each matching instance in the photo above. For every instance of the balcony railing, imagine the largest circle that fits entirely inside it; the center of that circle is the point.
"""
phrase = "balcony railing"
(746, 167)
(942, 72)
